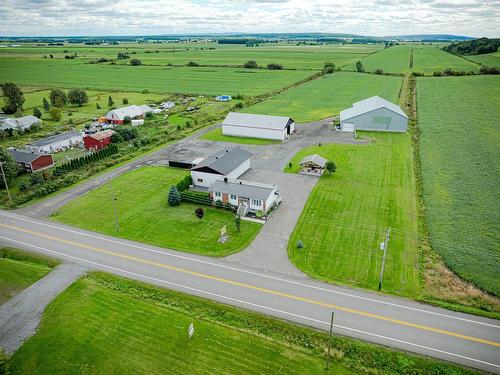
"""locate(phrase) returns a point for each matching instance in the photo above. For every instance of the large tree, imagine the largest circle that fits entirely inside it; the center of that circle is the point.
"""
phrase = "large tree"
(78, 97)
(58, 98)
(13, 98)
(10, 167)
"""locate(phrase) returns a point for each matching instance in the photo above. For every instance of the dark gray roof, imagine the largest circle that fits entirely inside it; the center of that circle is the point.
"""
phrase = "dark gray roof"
(24, 156)
(243, 189)
(225, 161)
(56, 138)
(249, 120)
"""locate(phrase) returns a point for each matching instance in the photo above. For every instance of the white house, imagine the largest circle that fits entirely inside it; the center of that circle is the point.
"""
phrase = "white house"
(246, 196)
(57, 142)
(257, 126)
(229, 164)
(117, 116)
(20, 123)
(223, 98)
(374, 114)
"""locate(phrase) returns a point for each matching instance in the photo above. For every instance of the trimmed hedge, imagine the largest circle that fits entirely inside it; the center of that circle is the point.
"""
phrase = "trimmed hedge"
(85, 160)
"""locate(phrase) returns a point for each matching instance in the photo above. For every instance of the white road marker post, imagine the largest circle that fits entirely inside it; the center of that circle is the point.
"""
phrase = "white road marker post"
(191, 330)
(383, 246)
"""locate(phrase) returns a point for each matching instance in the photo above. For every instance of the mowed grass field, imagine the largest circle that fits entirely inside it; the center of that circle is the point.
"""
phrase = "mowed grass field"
(94, 327)
(159, 79)
(144, 215)
(460, 154)
(328, 95)
(289, 56)
(394, 59)
(347, 214)
(429, 59)
(18, 270)
(488, 59)
(216, 136)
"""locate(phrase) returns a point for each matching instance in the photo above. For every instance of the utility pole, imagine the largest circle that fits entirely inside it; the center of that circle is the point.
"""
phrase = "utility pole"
(384, 245)
(329, 343)
(115, 211)
(5, 182)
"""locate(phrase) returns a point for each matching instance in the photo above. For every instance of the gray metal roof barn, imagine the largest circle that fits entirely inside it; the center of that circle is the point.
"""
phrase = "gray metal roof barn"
(374, 114)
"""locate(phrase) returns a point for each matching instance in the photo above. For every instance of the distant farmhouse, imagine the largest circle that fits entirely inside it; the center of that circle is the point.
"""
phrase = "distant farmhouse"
(257, 126)
(117, 116)
(58, 142)
(374, 114)
(20, 123)
(31, 161)
(223, 98)
(226, 164)
(245, 196)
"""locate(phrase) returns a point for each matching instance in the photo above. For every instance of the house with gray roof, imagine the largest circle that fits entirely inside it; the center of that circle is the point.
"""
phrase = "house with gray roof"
(257, 126)
(58, 142)
(31, 161)
(20, 123)
(374, 114)
(229, 164)
(245, 196)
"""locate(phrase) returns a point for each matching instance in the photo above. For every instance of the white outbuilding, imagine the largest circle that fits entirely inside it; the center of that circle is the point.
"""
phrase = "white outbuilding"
(225, 164)
(257, 126)
(374, 114)
(58, 142)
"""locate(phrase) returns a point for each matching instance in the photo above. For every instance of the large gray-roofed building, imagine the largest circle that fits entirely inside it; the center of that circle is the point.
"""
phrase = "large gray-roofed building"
(374, 114)
(57, 142)
(257, 126)
(21, 123)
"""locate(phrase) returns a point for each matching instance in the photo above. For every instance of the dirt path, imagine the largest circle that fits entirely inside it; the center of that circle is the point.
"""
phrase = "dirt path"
(20, 316)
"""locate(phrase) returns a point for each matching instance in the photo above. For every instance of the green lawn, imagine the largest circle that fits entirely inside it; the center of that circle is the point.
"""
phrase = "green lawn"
(460, 151)
(488, 59)
(429, 59)
(18, 270)
(347, 214)
(328, 95)
(216, 135)
(159, 79)
(104, 324)
(145, 216)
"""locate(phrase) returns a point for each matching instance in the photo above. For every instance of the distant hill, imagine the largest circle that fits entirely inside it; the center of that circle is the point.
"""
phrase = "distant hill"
(474, 47)
(429, 37)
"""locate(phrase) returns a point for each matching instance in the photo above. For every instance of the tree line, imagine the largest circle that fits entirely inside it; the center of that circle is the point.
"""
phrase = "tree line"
(85, 160)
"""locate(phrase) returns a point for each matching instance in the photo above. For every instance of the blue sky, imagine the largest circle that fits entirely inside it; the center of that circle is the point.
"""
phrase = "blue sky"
(140, 17)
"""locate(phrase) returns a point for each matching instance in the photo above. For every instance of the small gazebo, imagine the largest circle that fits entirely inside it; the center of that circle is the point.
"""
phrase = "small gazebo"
(313, 165)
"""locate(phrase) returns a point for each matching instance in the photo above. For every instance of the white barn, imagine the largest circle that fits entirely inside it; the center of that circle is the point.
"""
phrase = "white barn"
(257, 126)
(226, 164)
(58, 142)
(374, 114)
(117, 116)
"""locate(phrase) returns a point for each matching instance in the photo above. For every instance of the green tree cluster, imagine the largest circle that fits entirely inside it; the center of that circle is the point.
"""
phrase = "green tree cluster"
(13, 98)
(85, 160)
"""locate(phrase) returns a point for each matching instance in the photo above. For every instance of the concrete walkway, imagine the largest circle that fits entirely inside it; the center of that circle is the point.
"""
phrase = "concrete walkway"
(21, 315)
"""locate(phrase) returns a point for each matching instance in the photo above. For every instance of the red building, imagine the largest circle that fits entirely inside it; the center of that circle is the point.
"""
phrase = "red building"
(97, 141)
(32, 161)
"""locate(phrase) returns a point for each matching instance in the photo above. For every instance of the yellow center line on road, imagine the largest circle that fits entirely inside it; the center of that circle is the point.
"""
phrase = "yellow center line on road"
(253, 287)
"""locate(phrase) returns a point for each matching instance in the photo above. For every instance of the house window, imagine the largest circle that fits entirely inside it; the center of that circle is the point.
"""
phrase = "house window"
(256, 202)
(233, 197)
(200, 180)
(217, 195)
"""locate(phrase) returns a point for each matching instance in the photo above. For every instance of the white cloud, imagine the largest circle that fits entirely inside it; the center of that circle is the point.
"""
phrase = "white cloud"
(136, 17)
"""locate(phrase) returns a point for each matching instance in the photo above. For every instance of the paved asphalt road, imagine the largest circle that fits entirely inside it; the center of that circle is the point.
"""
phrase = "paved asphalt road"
(461, 338)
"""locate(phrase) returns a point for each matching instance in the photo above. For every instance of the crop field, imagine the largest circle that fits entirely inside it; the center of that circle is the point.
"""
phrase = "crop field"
(460, 151)
(216, 136)
(392, 60)
(145, 216)
(489, 59)
(18, 270)
(290, 57)
(200, 80)
(429, 59)
(328, 95)
(97, 327)
(347, 214)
